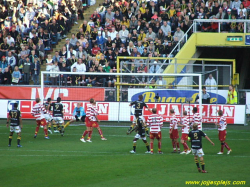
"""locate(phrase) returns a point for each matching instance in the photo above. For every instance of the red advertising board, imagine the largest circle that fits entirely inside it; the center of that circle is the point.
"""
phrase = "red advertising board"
(68, 107)
(209, 112)
(69, 94)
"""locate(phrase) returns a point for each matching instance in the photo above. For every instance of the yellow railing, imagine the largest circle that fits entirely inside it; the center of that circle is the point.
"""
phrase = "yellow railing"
(173, 61)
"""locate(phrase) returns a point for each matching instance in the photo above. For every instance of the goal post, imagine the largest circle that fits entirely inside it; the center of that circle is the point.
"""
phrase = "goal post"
(166, 86)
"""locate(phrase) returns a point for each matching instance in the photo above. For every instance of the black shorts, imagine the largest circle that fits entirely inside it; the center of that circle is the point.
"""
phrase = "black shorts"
(141, 132)
(82, 118)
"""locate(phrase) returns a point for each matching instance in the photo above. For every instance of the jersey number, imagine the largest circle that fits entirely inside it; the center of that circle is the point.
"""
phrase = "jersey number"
(14, 114)
(138, 105)
(195, 136)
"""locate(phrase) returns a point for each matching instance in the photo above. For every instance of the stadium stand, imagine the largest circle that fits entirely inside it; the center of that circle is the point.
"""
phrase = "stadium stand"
(115, 28)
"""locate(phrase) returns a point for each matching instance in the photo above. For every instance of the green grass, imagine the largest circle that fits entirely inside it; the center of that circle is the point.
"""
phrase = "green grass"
(65, 161)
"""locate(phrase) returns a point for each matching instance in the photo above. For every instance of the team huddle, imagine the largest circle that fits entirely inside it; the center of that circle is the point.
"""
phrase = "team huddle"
(155, 123)
(51, 113)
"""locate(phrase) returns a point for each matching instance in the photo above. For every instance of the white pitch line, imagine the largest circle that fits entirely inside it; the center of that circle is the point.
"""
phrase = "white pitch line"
(123, 136)
(122, 154)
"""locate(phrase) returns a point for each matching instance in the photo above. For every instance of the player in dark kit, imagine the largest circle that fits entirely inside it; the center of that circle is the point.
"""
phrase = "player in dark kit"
(57, 109)
(139, 104)
(16, 125)
(196, 145)
(141, 134)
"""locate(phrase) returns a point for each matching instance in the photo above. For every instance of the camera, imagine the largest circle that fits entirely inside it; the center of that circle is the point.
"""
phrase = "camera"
(189, 99)
(157, 96)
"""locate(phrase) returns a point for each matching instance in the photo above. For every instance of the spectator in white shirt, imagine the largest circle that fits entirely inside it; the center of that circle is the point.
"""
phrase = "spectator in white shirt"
(113, 33)
(178, 33)
(123, 33)
(211, 82)
(165, 28)
(11, 60)
(80, 67)
(10, 39)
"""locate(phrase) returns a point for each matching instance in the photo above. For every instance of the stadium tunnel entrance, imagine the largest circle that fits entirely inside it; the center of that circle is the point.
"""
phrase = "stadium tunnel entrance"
(240, 54)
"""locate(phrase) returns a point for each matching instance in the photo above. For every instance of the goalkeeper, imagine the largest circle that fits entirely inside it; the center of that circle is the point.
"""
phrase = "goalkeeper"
(78, 113)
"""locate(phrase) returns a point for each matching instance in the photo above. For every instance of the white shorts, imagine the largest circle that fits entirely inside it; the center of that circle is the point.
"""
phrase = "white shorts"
(139, 137)
(198, 152)
(134, 119)
(58, 119)
(48, 117)
(15, 129)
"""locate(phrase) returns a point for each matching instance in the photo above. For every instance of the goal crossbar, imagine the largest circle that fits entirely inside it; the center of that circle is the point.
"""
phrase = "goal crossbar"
(119, 75)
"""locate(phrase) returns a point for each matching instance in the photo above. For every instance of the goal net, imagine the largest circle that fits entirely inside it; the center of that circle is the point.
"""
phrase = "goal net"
(115, 91)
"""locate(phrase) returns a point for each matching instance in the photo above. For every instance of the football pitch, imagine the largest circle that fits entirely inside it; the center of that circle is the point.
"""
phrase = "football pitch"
(66, 161)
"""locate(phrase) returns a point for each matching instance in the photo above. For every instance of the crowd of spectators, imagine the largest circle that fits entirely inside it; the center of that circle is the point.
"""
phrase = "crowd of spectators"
(28, 28)
(139, 29)
(117, 28)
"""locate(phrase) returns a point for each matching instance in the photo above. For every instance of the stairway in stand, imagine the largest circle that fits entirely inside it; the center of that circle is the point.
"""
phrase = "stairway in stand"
(75, 28)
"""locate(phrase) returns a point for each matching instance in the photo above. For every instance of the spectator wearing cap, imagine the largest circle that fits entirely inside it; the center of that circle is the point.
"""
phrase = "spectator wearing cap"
(171, 11)
(226, 26)
(154, 68)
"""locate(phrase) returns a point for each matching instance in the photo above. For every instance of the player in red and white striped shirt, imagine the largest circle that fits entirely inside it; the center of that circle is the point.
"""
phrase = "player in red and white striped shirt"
(155, 123)
(196, 118)
(185, 130)
(173, 131)
(91, 112)
(222, 126)
(38, 112)
(91, 121)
